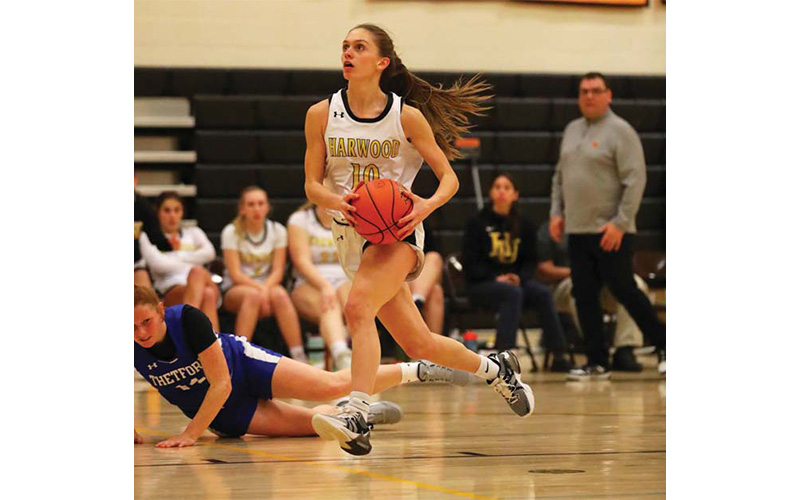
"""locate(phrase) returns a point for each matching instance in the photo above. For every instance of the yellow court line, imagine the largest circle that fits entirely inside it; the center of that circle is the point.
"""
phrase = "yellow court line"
(337, 467)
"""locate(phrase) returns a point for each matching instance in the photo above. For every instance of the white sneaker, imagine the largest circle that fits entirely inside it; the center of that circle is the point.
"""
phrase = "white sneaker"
(662, 362)
(348, 427)
(517, 394)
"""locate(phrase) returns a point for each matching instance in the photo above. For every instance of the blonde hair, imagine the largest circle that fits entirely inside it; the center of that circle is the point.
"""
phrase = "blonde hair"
(238, 222)
(445, 110)
(305, 206)
(144, 296)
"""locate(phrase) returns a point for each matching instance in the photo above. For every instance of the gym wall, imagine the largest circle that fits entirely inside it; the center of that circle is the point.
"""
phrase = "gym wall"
(499, 36)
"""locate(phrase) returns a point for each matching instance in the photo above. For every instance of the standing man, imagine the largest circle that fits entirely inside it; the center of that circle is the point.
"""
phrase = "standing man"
(553, 268)
(597, 188)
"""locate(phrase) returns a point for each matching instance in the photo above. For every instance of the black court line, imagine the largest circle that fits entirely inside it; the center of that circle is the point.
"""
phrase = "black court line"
(540, 414)
(388, 459)
(598, 495)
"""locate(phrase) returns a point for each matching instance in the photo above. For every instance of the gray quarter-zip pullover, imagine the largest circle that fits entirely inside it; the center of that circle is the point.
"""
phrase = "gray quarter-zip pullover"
(600, 175)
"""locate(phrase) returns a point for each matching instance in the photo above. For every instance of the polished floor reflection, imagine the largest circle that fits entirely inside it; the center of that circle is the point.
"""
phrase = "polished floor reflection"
(585, 440)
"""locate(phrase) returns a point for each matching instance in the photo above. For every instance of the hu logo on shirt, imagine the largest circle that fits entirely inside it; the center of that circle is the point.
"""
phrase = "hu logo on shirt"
(340, 114)
(502, 247)
(152, 366)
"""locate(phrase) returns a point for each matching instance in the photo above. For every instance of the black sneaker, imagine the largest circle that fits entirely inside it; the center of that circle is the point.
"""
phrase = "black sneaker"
(625, 360)
(517, 394)
(662, 362)
(561, 365)
(348, 427)
(589, 372)
(431, 372)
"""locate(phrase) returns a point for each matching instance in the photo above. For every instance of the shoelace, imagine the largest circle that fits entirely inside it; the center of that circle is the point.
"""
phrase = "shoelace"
(350, 419)
(506, 389)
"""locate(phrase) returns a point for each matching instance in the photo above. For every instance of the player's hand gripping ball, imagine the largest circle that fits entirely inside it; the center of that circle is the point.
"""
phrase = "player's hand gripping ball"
(378, 208)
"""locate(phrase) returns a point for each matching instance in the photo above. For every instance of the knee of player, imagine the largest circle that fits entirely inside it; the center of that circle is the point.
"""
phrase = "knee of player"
(211, 293)
(251, 299)
(357, 311)
(199, 273)
(279, 294)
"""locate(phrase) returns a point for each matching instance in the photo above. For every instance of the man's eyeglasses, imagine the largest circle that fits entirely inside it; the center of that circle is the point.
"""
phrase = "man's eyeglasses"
(593, 91)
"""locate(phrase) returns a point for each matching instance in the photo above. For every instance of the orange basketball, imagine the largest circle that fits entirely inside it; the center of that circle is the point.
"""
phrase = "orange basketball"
(378, 209)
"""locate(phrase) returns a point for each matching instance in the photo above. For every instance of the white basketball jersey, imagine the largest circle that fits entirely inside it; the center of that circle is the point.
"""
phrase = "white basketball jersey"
(320, 243)
(367, 148)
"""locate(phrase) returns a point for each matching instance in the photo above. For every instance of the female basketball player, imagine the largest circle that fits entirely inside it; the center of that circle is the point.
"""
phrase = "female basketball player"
(177, 351)
(340, 134)
(254, 249)
(179, 274)
(321, 287)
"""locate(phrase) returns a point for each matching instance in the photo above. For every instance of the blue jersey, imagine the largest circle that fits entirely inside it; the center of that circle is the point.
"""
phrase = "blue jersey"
(183, 383)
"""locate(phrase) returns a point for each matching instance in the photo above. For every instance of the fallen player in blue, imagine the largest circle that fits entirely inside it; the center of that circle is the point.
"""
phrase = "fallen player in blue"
(227, 385)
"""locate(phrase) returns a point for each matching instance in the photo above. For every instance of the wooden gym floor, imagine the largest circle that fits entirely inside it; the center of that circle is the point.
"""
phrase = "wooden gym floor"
(585, 440)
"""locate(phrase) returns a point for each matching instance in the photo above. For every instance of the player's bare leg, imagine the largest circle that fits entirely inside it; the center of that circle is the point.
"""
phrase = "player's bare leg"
(403, 320)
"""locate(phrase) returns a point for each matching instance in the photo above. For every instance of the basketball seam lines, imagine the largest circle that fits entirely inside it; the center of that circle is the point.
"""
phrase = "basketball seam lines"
(394, 222)
(379, 230)
(378, 210)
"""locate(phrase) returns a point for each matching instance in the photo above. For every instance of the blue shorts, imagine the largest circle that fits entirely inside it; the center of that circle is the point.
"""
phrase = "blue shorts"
(253, 367)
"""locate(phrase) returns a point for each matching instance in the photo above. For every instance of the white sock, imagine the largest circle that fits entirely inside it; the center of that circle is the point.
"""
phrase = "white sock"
(418, 297)
(489, 370)
(359, 401)
(298, 354)
(410, 372)
(338, 347)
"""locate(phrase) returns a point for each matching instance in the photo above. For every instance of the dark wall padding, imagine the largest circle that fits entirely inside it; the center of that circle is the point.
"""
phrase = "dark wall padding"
(250, 147)
(187, 82)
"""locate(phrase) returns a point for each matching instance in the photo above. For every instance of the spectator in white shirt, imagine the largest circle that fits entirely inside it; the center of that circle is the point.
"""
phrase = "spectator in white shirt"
(321, 287)
(178, 275)
(254, 249)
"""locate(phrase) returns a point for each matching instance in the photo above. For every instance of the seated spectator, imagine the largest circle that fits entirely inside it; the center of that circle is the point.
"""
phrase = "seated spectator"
(178, 274)
(427, 288)
(254, 249)
(553, 268)
(321, 287)
(499, 264)
(144, 220)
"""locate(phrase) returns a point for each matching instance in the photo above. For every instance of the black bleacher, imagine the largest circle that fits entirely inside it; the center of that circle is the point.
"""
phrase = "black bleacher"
(250, 131)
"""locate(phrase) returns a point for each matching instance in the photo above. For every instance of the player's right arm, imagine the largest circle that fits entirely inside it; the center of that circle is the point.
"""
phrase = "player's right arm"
(215, 368)
(316, 192)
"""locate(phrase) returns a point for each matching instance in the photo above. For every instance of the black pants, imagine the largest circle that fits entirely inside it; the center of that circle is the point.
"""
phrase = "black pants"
(508, 300)
(592, 267)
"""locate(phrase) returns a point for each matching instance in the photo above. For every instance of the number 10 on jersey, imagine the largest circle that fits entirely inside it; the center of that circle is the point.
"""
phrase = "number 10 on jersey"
(369, 173)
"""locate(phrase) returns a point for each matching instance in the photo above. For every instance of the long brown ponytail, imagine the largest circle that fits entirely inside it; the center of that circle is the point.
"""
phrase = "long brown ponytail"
(445, 109)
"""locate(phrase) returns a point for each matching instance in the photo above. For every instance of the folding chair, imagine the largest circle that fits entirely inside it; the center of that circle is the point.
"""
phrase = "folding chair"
(459, 304)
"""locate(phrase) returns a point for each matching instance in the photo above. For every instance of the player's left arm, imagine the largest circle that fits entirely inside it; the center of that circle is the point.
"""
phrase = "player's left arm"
(418, 130)
(216, 371)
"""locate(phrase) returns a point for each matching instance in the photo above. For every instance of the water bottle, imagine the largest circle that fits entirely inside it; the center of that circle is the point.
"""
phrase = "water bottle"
(471, 341)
